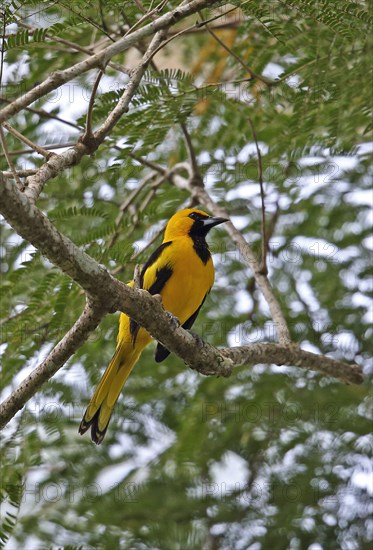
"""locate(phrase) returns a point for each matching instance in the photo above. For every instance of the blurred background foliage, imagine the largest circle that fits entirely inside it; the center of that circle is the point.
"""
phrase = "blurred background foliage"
(272, 457)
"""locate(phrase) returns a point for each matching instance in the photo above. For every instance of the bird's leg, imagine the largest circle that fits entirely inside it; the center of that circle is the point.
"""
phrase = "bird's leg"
(174, 320)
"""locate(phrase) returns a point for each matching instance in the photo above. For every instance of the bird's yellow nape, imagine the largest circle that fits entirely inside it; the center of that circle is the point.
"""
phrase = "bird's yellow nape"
(181, 223)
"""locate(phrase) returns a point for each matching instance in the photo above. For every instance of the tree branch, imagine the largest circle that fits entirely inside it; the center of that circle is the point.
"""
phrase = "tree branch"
(196, 174)
(279, 354)
(123, 103)
(263, 262)
(90, 143)
(34, 146)
(88, 133)
(100, 59)
(76, 47)
(43, 114)
(147, 15)
(252, 74)
(73, 339)
(48, 148)
(9, 160)
(106, 294)
(20, 173)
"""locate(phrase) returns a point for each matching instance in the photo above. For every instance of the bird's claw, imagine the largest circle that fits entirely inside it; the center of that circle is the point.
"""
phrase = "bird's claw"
(174, 320)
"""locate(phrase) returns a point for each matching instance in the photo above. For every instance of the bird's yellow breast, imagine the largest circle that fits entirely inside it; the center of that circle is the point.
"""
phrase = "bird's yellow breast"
(190, 281)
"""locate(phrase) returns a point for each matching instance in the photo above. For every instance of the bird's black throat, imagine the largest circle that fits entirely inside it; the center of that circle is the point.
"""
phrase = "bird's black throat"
(201, 247)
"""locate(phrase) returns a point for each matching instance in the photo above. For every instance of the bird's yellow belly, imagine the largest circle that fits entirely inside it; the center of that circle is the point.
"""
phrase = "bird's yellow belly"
(185, 290)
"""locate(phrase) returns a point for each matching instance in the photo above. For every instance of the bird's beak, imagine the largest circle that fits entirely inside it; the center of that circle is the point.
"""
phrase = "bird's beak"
(211, 221)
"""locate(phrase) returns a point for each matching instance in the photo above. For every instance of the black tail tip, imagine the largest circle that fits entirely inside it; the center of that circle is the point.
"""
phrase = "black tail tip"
(83, 427)
(97, 435)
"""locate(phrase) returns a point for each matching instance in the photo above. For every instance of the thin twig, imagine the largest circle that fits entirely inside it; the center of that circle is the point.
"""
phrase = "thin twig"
(69, 7)
(77, 47)
(20, 173)
(271, 226)
(46, 147)
(148, 163)
(133, 195)
(191, 153)
(88, 128)
(192, 27)
(43, 114)
(219, 26)
(252, 74)
(126, 204)
(43, 152)
(2, 53)
(137, 276)
(140, 6)
(150, 196)
(163, 44)
(154, 238)
(204, 22)
(124, 207)
(104, 25)
(9, 160)
(263, 266)
(146, 15)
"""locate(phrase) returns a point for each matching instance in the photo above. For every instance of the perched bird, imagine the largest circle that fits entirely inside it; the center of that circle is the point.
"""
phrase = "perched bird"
(182, 272)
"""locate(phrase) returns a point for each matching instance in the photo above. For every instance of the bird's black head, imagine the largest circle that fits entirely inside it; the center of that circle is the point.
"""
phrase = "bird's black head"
(202, 223)
(192, 222)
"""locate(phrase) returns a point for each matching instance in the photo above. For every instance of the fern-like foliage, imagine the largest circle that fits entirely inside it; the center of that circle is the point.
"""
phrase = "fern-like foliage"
(11, 492)
(296, 443)
(73, 211)
(344, 18)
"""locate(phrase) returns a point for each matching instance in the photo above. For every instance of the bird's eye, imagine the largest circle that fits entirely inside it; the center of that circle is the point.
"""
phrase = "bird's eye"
(197, 216)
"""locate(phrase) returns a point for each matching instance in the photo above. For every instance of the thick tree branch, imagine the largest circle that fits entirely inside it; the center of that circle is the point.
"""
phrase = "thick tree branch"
(100, 59)
(106, 294)
(29, 222)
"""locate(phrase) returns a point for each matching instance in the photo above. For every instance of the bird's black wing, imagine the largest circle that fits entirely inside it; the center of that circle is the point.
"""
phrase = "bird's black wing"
(161, 352)
(162, 276)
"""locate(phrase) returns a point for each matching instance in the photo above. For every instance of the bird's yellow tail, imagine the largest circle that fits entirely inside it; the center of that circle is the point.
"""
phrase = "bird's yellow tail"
(98, 413)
